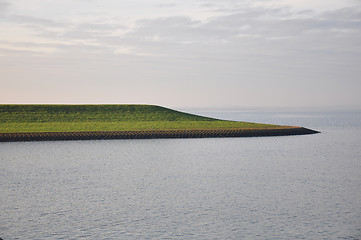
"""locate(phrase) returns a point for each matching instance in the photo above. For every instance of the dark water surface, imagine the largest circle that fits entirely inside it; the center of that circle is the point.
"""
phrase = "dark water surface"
(294, 187)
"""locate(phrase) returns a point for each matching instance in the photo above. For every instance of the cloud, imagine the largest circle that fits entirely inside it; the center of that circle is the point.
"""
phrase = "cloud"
(166, 5)
(3, 6)
(344, 14)
(233, 31)
(235, 28)
(28, 20)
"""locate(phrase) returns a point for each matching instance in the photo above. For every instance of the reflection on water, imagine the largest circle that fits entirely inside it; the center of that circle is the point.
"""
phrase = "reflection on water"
(295, 187)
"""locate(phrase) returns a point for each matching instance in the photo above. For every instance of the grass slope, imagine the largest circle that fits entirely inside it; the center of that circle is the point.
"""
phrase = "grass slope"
(73, 118)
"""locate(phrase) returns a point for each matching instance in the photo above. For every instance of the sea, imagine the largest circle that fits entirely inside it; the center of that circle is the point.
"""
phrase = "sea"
(289, 187)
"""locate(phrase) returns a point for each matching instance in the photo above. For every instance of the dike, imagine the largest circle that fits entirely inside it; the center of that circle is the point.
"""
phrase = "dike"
(153, 134)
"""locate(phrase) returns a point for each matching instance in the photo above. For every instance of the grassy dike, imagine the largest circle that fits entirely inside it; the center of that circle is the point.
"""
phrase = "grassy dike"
(119, 121)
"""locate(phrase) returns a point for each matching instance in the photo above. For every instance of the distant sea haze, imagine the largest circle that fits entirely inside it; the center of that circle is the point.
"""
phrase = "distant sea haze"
(289, 187)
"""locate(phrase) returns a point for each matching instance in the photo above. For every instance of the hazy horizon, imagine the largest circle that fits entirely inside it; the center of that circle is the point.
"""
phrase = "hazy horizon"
(182, 54)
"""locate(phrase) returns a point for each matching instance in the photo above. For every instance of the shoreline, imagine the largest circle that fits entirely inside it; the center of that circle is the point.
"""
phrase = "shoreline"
(153, 134)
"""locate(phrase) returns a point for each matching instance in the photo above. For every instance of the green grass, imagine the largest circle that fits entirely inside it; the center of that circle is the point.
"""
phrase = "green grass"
(71, 118)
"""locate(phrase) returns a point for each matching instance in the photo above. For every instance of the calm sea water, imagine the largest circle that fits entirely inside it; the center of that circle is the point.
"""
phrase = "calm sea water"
(294, 187)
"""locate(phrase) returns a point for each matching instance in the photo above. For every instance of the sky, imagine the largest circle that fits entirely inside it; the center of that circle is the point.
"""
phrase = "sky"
(189, 53)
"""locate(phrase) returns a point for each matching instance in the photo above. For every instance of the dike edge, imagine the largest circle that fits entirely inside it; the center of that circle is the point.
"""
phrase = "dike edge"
(153, 134)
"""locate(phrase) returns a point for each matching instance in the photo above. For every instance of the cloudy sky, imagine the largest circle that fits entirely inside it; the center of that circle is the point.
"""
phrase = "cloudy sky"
(189, 53)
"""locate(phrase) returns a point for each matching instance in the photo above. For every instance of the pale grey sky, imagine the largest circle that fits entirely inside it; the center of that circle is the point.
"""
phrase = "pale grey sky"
(189, 53)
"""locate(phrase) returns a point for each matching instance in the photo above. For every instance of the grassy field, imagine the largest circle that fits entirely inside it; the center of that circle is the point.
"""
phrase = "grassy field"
(74, 118)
